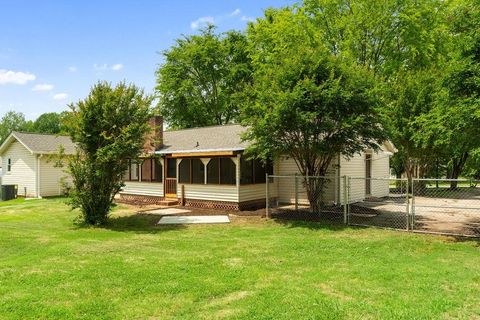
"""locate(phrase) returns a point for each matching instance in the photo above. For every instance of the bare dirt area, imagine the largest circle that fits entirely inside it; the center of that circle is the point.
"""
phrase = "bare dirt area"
(455, 213)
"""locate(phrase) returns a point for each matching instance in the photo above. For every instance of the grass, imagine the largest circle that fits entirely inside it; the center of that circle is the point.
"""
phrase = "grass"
(252, 268)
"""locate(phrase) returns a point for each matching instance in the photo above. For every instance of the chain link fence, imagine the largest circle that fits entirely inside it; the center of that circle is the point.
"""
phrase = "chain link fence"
(446, 206)
(310, 198)
(439, 206)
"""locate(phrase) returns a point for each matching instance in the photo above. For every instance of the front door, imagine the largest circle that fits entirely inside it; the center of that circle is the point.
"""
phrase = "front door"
(368, 174)
(170, 178)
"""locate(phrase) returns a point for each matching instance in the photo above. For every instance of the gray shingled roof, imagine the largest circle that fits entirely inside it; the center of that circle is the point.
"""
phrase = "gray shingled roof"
(45, 143)
(215, 138)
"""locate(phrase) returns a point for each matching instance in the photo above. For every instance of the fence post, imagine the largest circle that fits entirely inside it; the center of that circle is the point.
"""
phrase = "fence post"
(296, 192)
(413, 206)
(345, 200)
(407, 205)
(267, 199)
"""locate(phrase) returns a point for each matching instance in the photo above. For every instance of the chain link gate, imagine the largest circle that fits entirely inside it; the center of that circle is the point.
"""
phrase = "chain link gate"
(377, 202)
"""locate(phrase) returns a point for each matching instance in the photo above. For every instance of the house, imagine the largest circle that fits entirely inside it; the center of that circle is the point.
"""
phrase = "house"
(206, 167)
(27, 162)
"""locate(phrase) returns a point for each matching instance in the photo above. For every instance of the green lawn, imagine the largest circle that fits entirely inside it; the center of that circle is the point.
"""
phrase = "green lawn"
(250, 269)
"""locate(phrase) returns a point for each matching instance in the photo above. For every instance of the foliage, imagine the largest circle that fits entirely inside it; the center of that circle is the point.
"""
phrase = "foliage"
(307, 103)
(12, 121)
(453, 124)
(109, 127)
(50, 122)
(386, 36)
(202, 79)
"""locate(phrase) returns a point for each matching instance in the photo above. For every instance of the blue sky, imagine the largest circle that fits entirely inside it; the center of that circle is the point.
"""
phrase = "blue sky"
(52, 52)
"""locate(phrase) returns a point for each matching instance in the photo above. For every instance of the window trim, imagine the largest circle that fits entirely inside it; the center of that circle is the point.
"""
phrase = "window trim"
(9, 164)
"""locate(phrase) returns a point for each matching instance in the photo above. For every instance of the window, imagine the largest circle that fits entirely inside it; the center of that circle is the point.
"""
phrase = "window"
(254, 171)
(151, 170)
(221, 171)
(191, 171)
(9, 164)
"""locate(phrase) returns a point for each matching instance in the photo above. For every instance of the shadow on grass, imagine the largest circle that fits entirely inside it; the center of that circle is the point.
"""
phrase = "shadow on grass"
(140, 223)
(305, 219)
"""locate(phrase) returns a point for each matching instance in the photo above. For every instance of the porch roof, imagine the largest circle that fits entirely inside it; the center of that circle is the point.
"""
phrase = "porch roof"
(204, 140)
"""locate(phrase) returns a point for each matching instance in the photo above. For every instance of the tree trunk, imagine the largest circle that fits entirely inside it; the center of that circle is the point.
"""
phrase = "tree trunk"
(456, 169)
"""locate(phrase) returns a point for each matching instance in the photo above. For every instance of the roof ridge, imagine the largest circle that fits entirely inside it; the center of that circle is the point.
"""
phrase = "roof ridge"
(42, 133)
(206, 127)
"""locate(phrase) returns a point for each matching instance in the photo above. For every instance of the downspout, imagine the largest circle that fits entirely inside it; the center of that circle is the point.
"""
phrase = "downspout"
(38, 176)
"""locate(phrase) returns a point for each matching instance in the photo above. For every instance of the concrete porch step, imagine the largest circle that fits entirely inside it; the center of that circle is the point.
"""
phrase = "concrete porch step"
(168, 202)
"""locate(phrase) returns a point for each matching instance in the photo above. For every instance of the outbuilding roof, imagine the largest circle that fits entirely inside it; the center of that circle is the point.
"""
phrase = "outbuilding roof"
(38, 143)
(204, 139)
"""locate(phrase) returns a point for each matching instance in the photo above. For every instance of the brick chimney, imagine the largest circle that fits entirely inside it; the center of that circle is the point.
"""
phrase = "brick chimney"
(154, 140)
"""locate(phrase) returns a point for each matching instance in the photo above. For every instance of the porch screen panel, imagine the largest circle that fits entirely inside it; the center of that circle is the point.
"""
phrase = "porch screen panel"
(227, 171)
(157, 170)
(184, 171)
(198, 171)
(147, 170)
(246, 171)
(213, 171)
(259, 171)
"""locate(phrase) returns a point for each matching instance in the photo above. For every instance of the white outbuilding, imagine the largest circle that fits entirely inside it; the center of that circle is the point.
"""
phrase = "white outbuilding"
(28, 161)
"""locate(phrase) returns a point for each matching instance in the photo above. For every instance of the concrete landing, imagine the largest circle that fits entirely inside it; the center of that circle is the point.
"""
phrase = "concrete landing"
(193, 219)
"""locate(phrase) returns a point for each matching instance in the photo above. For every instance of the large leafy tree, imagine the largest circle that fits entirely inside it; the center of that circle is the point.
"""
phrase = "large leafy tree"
(50, 122)
(403, 42)
(306, 103)
(109, 127)
(12, 121)
(202, 79)
(453, 125)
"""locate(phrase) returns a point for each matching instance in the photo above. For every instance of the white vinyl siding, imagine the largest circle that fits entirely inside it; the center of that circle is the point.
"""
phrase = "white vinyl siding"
(52, 178)
(23, 169)
(380, 169)
(143, 188)
(355, 168)
(286, 166)
(249, 192)
(212, 192)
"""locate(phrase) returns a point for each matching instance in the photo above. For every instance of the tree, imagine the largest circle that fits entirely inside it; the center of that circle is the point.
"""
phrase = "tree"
(307, 103)
(109, 128)
(409, 96)
(50, 122)
(11, 121)
(453, 124)
(404, 42)
(202, 79)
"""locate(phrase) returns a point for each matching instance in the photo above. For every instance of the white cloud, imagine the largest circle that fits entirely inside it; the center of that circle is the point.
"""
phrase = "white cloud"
(249, 19)
(235, 12)
(72, 69)
(117, 67)
(60, 96)
(202, 21)
(100, 67)
(15, 77)
(43, 87)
